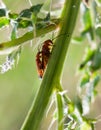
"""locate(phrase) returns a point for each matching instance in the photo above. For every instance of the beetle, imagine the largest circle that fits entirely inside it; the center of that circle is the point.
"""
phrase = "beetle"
(43, 56)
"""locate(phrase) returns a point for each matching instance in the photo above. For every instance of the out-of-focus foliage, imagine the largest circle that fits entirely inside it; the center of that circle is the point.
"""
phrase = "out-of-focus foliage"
(90, 66)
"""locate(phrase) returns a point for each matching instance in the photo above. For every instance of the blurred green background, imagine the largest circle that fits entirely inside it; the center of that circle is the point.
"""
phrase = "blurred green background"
(18, 86)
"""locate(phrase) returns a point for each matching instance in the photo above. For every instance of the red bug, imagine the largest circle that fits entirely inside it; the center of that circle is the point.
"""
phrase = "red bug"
(43, 56)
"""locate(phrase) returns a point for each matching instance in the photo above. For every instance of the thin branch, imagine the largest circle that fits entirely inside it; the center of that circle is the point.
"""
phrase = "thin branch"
(29, 36)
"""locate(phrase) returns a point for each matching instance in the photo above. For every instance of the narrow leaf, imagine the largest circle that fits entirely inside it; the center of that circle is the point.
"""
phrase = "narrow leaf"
(25, 13)
(84, 80)
(96, 62)
(36, 8)
(24, 23)
(47, 18)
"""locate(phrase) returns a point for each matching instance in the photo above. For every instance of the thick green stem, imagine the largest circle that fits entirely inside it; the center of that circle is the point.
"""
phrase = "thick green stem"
(52, 76)
(67, 25)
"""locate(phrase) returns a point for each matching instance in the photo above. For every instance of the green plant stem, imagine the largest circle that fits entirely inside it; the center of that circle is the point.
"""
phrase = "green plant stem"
(30, 35)
(60, 111)
(52, 76)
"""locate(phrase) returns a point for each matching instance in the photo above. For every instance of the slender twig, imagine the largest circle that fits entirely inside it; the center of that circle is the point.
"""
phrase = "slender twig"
(60, 111)
(29, 36)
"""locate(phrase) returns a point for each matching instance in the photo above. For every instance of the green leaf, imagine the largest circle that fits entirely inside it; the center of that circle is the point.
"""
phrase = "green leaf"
(95, 92)
(78, 39)
(98, 31)
(90, 91)
(70, 108)
(74, 116)
(36, 8)
(2, 12)
(90, 31)
(24, 23)
(13, 15)
(25, 13)
(96, 62)
(89, 54)
(96, 78)
(84, 80)
(92, 126)
(88, 28)
(47, 18)
(79, 104)
(4, 21)
(87, 19)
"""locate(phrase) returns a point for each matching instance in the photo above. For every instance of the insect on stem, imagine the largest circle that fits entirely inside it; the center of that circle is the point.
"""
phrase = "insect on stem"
(43, 56)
